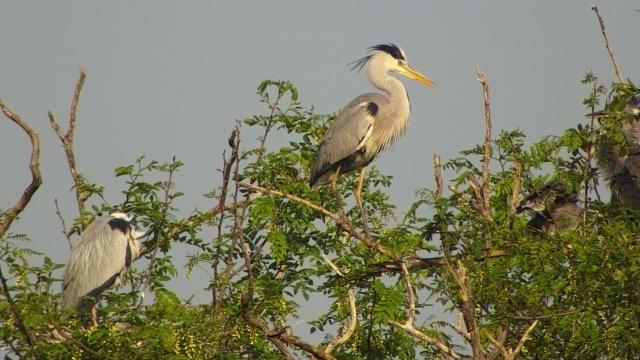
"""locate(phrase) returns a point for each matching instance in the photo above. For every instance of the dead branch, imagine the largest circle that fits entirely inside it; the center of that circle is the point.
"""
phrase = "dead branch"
(348, 329)
(515, 193)
(437, 173)
(234, 143)
(408, 324)
(616, 67)
(486, 157)
(7, 217)
(341, 222)
(67, 141)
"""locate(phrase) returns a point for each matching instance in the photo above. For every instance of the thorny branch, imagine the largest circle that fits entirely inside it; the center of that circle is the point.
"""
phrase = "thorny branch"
(616, 67)
(67, 141)
(65, 232)
(408, 324)
(7, 217)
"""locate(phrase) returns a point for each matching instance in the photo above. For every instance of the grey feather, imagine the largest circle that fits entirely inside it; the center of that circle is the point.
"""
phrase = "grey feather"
(101, 255)
(343, 137)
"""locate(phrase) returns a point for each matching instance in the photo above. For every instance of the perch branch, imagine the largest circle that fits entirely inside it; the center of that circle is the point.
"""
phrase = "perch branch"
(616, 67)
(67, 141)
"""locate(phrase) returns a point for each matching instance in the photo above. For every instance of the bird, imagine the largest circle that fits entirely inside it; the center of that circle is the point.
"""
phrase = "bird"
(106, 248)
(554, 209)
(371, 122)
(621, 165)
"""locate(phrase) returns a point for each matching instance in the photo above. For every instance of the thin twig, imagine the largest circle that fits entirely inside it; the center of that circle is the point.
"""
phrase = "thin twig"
(616, 67)
(64, 224)
(421, 263)
(344, 225)
(67, 141)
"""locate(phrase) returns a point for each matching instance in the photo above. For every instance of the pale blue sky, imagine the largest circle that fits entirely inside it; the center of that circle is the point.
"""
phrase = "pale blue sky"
(169, 78)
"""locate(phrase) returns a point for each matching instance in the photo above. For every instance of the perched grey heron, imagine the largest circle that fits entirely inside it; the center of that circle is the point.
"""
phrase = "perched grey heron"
(621, 166)
(106, 248)
(554, 209)
(371, 122)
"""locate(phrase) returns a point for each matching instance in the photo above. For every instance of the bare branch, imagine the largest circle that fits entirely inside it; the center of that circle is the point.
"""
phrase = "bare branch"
(616, 67)
(482, 79)
(467, 307)
(515, 193)
(7, 217)
(524, 338)
(347, 330)
(437, 173)
(67, 141)
(344, 224)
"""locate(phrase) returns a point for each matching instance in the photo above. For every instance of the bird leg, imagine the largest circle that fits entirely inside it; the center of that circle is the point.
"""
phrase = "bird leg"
(94, 316)
(358, 192)
(336, 194)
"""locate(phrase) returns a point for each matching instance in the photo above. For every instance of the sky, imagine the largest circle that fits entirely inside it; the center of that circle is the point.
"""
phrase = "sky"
(168, 78)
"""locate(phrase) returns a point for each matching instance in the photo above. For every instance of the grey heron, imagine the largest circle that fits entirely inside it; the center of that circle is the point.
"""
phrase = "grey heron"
(554, 209)
(371, 122)
(106, 248)
(621, 166)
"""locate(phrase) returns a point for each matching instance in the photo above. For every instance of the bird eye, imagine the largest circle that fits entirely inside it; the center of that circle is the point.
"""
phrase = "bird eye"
(400, 62)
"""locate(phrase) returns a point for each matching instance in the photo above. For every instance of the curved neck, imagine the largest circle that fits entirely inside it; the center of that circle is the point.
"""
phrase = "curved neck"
(381, 79)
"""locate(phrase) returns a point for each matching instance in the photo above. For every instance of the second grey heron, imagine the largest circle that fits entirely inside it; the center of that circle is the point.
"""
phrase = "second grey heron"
(554, 209)
(371, 122)
(106, 248)
(621, 166)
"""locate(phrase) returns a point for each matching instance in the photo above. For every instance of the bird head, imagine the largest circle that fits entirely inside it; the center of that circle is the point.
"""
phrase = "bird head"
(391, 58)
(132, 221)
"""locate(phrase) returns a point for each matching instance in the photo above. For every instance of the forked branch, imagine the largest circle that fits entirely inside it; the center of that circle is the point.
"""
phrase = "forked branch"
(408, 324)
(67, 141)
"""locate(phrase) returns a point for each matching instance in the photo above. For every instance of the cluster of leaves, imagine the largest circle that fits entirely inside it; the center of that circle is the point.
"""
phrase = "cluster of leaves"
(579, 284)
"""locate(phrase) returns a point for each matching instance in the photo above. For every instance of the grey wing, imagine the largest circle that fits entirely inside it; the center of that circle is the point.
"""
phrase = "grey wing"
(96, 261)
(347, 133)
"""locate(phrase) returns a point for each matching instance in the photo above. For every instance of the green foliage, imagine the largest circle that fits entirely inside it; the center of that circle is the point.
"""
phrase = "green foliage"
(581, 285)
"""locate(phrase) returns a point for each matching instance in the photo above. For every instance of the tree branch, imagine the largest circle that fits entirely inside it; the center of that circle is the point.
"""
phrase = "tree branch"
(408, 324)
(341, 222)
(347, 330)
(616, 67)
(7, 217)
(486, 157)
(67, 141)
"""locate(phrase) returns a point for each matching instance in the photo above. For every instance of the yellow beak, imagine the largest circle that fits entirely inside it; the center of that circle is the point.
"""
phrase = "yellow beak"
(414, 74)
